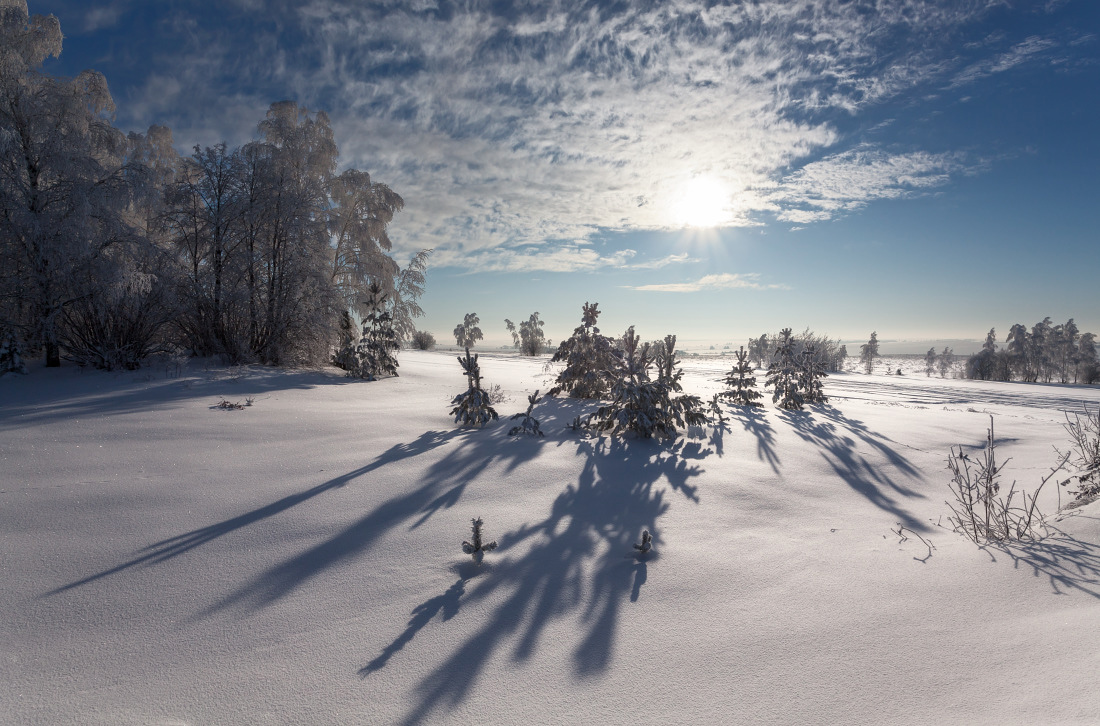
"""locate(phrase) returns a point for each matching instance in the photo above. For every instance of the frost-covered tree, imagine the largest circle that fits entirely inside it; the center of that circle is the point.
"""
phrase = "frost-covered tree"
(741, 383)
(529, 338)
(408, 287)
(11, 355)
(472, 408)
(841, 358)
(944, 362)
(930, 362)
(1088, 367)
(467, 333)
(589, 359)
(376, 352)
(782, 375)
(981, 365)
(681, 409)
(345, 357)
(528, 424)
(810, 373)
(868, 352)
(64, 187)
(759, 351)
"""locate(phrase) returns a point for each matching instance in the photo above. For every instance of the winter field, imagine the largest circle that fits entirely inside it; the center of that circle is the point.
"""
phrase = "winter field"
(298, 560)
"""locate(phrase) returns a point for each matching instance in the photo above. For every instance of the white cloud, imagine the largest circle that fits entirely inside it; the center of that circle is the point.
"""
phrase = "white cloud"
(560, 122)
(721, 281)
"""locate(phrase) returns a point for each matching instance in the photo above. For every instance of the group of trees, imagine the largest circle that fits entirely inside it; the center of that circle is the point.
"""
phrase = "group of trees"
(112, 245)
(830, 354)
(1048, 353)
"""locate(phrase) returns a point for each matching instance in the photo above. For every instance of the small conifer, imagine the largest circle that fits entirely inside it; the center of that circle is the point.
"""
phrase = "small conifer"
(472, 407)
(646, 543)
(477, 548)
(741, 382)
(529, 424)
(783, 374)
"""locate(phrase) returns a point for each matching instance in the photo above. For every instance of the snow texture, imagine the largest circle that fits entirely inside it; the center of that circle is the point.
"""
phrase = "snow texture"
(296, 561)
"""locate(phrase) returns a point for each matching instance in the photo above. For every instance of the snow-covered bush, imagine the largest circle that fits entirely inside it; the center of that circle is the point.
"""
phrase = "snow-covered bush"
(529, 338)
(423, 340)
(646, 544)
(472, 407)
(783, 374)
(11, 354)
(643, 406)
(528, 424)
(741, 383)
(589, 359)
(1083, 456)
(467, 333)
(475, 546)
(980, 513)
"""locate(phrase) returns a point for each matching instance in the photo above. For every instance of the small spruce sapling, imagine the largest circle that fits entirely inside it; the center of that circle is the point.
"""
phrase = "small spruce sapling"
(646, 544)
(472, 407)
(783, 374)
(810, 375)
(589, 359)
(477, 548)
(375, 355)
(529, 424)
(741, 382)
(11, 358)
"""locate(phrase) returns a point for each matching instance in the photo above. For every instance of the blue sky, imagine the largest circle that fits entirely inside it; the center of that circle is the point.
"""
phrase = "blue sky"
(924, 169)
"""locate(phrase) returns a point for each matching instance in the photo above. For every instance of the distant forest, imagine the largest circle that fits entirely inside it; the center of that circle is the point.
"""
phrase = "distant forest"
(1048, 353)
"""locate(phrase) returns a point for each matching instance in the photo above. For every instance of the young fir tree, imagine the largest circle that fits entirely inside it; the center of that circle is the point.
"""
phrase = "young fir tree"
(376, 352)
(477, 547)
(589, 359)
(868, 352)
(646, 543)
(472, 407)
(11, 356)
(783, 374)
(644, 406)
(681, 408)
(741, 383)
(809, 376)
(528, 424)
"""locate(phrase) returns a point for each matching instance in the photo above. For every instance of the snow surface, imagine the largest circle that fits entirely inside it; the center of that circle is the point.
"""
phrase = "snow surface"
(299, 560)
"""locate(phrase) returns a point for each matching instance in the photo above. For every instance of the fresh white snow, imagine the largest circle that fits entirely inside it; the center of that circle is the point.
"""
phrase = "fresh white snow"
(300, 561)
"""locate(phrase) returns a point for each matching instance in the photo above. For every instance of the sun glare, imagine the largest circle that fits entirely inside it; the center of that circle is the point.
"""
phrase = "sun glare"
(701, 202)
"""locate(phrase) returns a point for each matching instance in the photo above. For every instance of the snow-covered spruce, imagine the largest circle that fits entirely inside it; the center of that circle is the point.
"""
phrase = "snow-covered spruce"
(717, 415)
(741, 383)
(528, 424)
(375, 354)
(472, 408)
(646, 543)
(11, 356)
(643, 406)
(783, 374)
(589, 359)
(476, 547)
(810, 374)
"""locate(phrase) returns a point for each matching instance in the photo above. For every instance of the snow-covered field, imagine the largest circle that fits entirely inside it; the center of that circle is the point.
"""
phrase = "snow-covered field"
(298, 561)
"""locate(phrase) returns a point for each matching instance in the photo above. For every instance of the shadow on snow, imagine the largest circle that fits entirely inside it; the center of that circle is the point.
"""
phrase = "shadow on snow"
(576, 562)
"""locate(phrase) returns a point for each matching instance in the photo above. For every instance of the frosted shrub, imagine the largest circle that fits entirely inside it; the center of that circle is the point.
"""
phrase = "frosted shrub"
(646, 543)
(529, 338)
(980, 512)
(423, 340)
(472, 408)
(1084, 454)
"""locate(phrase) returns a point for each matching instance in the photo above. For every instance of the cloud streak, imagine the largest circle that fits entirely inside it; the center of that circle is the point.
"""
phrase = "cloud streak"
(720, 281)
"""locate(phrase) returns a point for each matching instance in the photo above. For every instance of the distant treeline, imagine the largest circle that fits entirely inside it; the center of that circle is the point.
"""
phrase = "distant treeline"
(1048, 353)
(112, 246)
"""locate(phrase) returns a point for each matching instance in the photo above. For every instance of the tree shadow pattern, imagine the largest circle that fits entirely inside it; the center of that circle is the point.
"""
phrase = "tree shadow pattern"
(837, 437)
(1066, 562)
(579, 561)
(755, 422)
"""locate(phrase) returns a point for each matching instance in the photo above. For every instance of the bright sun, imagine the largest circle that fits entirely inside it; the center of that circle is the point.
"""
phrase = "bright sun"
(701, 202)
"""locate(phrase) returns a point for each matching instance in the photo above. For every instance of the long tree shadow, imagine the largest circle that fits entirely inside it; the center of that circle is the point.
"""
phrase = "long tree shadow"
(577, 563)
(755, 421)
(167, 549)
(441, 487)
(836, 436)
